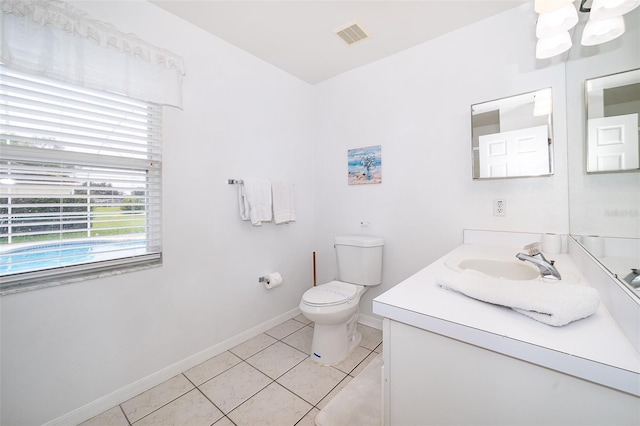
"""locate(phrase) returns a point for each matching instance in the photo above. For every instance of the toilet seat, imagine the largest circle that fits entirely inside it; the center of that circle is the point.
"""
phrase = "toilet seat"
(330, 294)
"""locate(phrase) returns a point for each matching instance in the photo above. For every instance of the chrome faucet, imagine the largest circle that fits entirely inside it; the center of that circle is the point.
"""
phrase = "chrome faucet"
(547, 270)
(633, 279)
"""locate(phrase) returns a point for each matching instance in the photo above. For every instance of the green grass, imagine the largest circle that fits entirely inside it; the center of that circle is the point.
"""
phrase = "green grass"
(133, 222)
(103, 218)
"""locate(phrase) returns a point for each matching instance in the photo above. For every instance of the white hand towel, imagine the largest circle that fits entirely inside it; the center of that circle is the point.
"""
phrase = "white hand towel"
(254, 197)
(284, 207)
(243, 203)
(553, 303)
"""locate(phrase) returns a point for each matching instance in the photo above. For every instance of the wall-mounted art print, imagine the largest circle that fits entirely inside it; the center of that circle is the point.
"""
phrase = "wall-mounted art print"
(365, 165)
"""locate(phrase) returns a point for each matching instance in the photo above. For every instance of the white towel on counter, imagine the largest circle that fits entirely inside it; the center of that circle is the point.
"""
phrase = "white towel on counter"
(254, 198)
(284, 206)
(553, 303)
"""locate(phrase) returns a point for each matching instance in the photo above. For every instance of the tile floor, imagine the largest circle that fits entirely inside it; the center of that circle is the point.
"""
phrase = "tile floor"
(267, 380)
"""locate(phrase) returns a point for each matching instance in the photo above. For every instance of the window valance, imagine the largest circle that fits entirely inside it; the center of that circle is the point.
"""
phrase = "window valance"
(54, 39)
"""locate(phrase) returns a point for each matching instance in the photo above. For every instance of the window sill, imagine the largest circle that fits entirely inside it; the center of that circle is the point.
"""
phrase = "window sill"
(29, 285)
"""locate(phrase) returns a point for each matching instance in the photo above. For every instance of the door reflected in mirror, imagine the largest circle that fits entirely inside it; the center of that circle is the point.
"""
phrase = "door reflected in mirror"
(511, 137)
(613, 122)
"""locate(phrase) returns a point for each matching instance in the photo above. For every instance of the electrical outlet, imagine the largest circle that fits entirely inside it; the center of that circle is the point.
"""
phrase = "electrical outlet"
(499, 207)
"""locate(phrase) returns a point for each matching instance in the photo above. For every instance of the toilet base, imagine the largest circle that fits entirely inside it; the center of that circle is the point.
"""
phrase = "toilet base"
(333, 343)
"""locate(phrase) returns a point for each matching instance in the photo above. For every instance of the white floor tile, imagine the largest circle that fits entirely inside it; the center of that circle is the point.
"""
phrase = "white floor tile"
(311, 381)
(301, 339)
(334, 392)
(234, 386)
(212, 367)
(236, 392)
(112, 417)
(371, 337)
(224, 422)
(253, 346)
(301, 318)
(149, 401)
(354, 358)
(272, 406)
(286, 328)
(191, 409)
(364, 364)
(277, 359)
(309, 418)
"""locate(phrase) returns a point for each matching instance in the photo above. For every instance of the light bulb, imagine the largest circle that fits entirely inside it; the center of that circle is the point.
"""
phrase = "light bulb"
(552, 46)
(546, 6)
(597, 32)
(556, 22)
(607, 9)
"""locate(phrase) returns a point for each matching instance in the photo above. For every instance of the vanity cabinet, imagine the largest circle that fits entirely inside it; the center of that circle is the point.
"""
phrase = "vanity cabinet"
(451, 359)
(430, 379)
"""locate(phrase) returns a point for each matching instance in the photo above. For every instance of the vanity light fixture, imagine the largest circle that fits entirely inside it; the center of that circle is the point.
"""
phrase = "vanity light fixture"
(605, 20)
(557, 17)
(605, 9)
(597, 32)
(552, 46)
(546, 6)
(556, 22)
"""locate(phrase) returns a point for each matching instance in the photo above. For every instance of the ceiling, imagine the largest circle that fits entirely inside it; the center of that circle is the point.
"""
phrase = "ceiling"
(298, 36)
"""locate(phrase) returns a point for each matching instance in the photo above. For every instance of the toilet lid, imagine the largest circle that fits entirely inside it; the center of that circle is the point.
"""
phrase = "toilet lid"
(333, 293)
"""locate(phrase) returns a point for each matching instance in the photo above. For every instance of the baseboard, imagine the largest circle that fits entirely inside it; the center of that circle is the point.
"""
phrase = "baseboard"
(371, 321)
(121, 395)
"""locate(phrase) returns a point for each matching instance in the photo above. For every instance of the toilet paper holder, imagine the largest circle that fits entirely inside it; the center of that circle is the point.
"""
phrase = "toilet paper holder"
(271, 280)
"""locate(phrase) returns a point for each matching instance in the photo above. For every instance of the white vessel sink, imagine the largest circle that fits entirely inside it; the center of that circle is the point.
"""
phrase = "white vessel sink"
(507, 269)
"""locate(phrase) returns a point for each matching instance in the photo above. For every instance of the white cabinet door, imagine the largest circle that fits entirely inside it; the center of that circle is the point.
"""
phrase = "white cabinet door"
(436, 380)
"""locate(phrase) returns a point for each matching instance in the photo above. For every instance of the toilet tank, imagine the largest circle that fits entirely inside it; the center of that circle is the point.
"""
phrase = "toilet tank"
(359, 259)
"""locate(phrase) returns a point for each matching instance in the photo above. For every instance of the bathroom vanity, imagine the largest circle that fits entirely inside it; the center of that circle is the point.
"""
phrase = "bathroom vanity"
(451, 359)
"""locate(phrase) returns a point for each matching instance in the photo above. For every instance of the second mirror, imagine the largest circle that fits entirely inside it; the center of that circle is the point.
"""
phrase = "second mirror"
(511, 137)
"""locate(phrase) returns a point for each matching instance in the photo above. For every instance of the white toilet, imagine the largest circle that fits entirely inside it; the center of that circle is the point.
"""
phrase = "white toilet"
(333, 307)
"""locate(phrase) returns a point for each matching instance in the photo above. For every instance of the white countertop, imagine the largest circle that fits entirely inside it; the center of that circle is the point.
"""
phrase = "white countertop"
(593, 348)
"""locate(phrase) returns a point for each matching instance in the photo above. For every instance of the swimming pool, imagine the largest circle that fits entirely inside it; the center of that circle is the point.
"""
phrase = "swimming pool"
(58, 254)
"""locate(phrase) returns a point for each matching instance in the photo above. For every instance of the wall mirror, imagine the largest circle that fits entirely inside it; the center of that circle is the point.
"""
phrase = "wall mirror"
(511, 137)
(613, 122)
(604, 207)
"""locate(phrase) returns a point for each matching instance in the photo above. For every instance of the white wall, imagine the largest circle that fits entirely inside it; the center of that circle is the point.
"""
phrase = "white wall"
(417, 105)
(67, 346)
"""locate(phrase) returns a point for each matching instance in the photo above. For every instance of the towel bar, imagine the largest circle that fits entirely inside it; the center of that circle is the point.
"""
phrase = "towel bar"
(234, 181)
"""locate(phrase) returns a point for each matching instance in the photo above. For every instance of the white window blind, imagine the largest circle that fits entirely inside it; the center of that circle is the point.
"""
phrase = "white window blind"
(80, 179)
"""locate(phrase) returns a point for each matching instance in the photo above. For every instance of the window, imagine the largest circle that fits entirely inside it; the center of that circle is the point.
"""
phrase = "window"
(80, 180)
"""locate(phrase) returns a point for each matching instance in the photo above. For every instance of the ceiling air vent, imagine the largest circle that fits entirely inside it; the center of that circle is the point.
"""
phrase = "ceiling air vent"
(352, 33)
